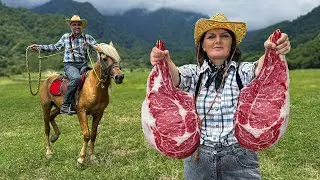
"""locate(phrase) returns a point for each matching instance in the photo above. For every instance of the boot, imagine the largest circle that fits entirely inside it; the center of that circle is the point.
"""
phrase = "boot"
(67, 109)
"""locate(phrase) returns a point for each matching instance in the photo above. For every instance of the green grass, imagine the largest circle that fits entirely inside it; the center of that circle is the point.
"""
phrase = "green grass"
(121, 147)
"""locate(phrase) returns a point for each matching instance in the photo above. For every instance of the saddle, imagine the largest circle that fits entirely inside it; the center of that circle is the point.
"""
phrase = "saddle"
(59, 86)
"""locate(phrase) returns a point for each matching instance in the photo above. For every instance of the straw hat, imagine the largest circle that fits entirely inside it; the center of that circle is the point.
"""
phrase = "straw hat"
(76, 18)
(219, 21)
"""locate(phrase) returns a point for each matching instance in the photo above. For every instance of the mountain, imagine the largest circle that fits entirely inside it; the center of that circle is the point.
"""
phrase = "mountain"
(98, 25)
(300, 30)
(135, 32)
(304, 38)
(174, 27)
(306, 55)
(136, 26)
(20, 28)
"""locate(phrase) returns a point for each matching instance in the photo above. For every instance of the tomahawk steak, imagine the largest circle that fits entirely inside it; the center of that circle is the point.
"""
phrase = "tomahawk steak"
(262, 113)
(169, 119)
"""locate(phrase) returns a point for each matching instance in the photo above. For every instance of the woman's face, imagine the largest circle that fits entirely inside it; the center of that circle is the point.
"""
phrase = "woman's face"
(217, 44)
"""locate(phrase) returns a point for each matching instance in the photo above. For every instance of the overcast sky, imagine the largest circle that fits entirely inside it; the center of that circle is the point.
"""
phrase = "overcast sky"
(256, 13)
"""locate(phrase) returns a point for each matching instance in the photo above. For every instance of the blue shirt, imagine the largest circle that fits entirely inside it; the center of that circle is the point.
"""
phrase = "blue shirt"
(217, 125)
(76, 53)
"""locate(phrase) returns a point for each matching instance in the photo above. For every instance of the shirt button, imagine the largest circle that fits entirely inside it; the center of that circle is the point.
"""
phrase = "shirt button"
(216, 109)
(214, 152)
(217, 126)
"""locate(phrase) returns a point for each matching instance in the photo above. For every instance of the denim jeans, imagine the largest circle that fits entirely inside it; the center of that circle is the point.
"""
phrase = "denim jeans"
(72, 70)
(223, 163)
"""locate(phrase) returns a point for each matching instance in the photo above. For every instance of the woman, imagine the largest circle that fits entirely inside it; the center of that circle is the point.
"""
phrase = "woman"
(216, 81)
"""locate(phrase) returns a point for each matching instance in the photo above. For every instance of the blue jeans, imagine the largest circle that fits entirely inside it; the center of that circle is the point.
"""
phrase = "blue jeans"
(223, 163)
(72, 70)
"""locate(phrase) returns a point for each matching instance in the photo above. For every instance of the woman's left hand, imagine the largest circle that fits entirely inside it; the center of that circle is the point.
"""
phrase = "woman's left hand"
(282, 45)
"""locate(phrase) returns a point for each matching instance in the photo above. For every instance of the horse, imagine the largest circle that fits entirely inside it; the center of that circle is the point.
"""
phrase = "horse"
(92, 100)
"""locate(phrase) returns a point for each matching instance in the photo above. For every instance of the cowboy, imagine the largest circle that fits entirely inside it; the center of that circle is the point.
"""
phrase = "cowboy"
(218, 56)
(75, 59)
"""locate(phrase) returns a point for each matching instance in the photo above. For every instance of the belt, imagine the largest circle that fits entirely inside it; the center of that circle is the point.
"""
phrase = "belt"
(218, 148)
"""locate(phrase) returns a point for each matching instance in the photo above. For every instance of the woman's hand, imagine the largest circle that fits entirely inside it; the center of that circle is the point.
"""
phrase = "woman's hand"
(282, 45)
(158, 55)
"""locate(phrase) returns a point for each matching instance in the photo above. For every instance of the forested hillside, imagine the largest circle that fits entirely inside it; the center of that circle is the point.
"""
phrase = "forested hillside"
(20, 28)
(135, 32)
(172, 26)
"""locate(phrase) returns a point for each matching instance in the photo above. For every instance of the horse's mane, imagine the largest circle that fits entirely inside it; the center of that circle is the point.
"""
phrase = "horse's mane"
(109, 50)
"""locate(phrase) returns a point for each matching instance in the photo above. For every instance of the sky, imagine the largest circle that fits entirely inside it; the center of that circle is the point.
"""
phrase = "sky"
(256, 13)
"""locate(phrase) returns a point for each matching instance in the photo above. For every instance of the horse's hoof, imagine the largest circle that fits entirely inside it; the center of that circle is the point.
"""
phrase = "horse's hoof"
(94, 159)
(49, 156)
(80, 166)
(53, 138)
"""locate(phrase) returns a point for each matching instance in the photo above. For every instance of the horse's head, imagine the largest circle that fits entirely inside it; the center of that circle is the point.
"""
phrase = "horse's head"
(110, 62)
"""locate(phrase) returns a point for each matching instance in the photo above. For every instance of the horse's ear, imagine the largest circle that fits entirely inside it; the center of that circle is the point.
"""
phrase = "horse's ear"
(111, 44)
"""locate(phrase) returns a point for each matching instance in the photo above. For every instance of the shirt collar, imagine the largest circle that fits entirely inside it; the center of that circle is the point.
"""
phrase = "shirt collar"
(72, 36)
(205, 66)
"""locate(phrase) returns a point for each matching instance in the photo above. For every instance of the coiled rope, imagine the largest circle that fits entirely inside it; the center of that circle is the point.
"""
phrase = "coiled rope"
(40, 67)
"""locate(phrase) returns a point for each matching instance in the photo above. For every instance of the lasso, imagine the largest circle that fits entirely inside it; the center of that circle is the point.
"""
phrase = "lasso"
(40, 62)
(40, 67)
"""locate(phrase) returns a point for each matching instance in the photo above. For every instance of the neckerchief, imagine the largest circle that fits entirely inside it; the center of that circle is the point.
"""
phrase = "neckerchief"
(73, 36)
(215, 75)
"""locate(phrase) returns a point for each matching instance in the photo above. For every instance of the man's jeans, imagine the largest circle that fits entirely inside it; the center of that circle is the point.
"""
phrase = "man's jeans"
(223, 163)
(72, 70)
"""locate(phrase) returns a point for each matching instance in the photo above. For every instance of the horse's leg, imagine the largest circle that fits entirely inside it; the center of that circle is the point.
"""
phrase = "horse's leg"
(53, 114)
(86, 135)
(46, 117)
(95, 122)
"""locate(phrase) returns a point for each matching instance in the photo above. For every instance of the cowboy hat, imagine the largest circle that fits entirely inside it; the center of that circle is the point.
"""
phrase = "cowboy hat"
(76, 18)
(219, 21)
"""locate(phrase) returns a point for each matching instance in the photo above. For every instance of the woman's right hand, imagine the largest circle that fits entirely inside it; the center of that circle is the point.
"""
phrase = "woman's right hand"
(35, 47)
(158, 55)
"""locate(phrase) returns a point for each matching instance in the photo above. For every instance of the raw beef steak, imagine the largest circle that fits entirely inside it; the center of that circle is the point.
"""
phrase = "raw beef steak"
(169, 119)
(262, 114)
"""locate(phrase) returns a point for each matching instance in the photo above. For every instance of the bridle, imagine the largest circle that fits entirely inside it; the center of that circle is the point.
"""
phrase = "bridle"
(107, 69)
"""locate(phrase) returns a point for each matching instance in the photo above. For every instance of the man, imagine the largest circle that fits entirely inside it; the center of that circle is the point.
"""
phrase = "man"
(75, 57)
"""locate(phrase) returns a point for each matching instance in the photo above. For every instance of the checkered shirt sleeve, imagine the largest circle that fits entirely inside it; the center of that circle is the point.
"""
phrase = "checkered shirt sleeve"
(76, 53)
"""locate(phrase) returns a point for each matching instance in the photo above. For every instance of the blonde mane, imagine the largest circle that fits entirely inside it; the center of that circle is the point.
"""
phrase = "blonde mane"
(109, 50)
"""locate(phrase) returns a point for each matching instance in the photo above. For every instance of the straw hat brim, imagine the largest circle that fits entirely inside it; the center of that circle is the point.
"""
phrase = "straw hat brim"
(203, 25)
(83, 22)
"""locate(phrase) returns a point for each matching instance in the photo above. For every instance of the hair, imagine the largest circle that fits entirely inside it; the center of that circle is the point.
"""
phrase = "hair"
(202, 55)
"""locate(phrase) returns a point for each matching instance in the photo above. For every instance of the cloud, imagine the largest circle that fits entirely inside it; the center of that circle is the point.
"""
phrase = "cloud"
(256, 13)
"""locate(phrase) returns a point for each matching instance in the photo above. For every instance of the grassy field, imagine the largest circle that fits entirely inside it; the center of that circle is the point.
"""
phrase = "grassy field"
(121, 146)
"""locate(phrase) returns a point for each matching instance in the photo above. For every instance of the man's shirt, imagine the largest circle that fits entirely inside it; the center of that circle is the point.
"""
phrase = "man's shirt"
(74, 50)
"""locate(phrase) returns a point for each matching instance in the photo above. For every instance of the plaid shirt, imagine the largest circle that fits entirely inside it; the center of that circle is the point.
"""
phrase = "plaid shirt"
(217, 126)
(78, 54)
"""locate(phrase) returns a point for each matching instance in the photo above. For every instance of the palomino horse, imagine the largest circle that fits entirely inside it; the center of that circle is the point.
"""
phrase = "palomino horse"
(92, 99)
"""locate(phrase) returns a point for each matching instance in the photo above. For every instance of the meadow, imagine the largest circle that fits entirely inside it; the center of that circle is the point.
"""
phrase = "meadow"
(121, 147)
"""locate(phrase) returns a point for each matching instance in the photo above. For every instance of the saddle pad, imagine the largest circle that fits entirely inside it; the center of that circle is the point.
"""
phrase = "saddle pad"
(55, 87)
